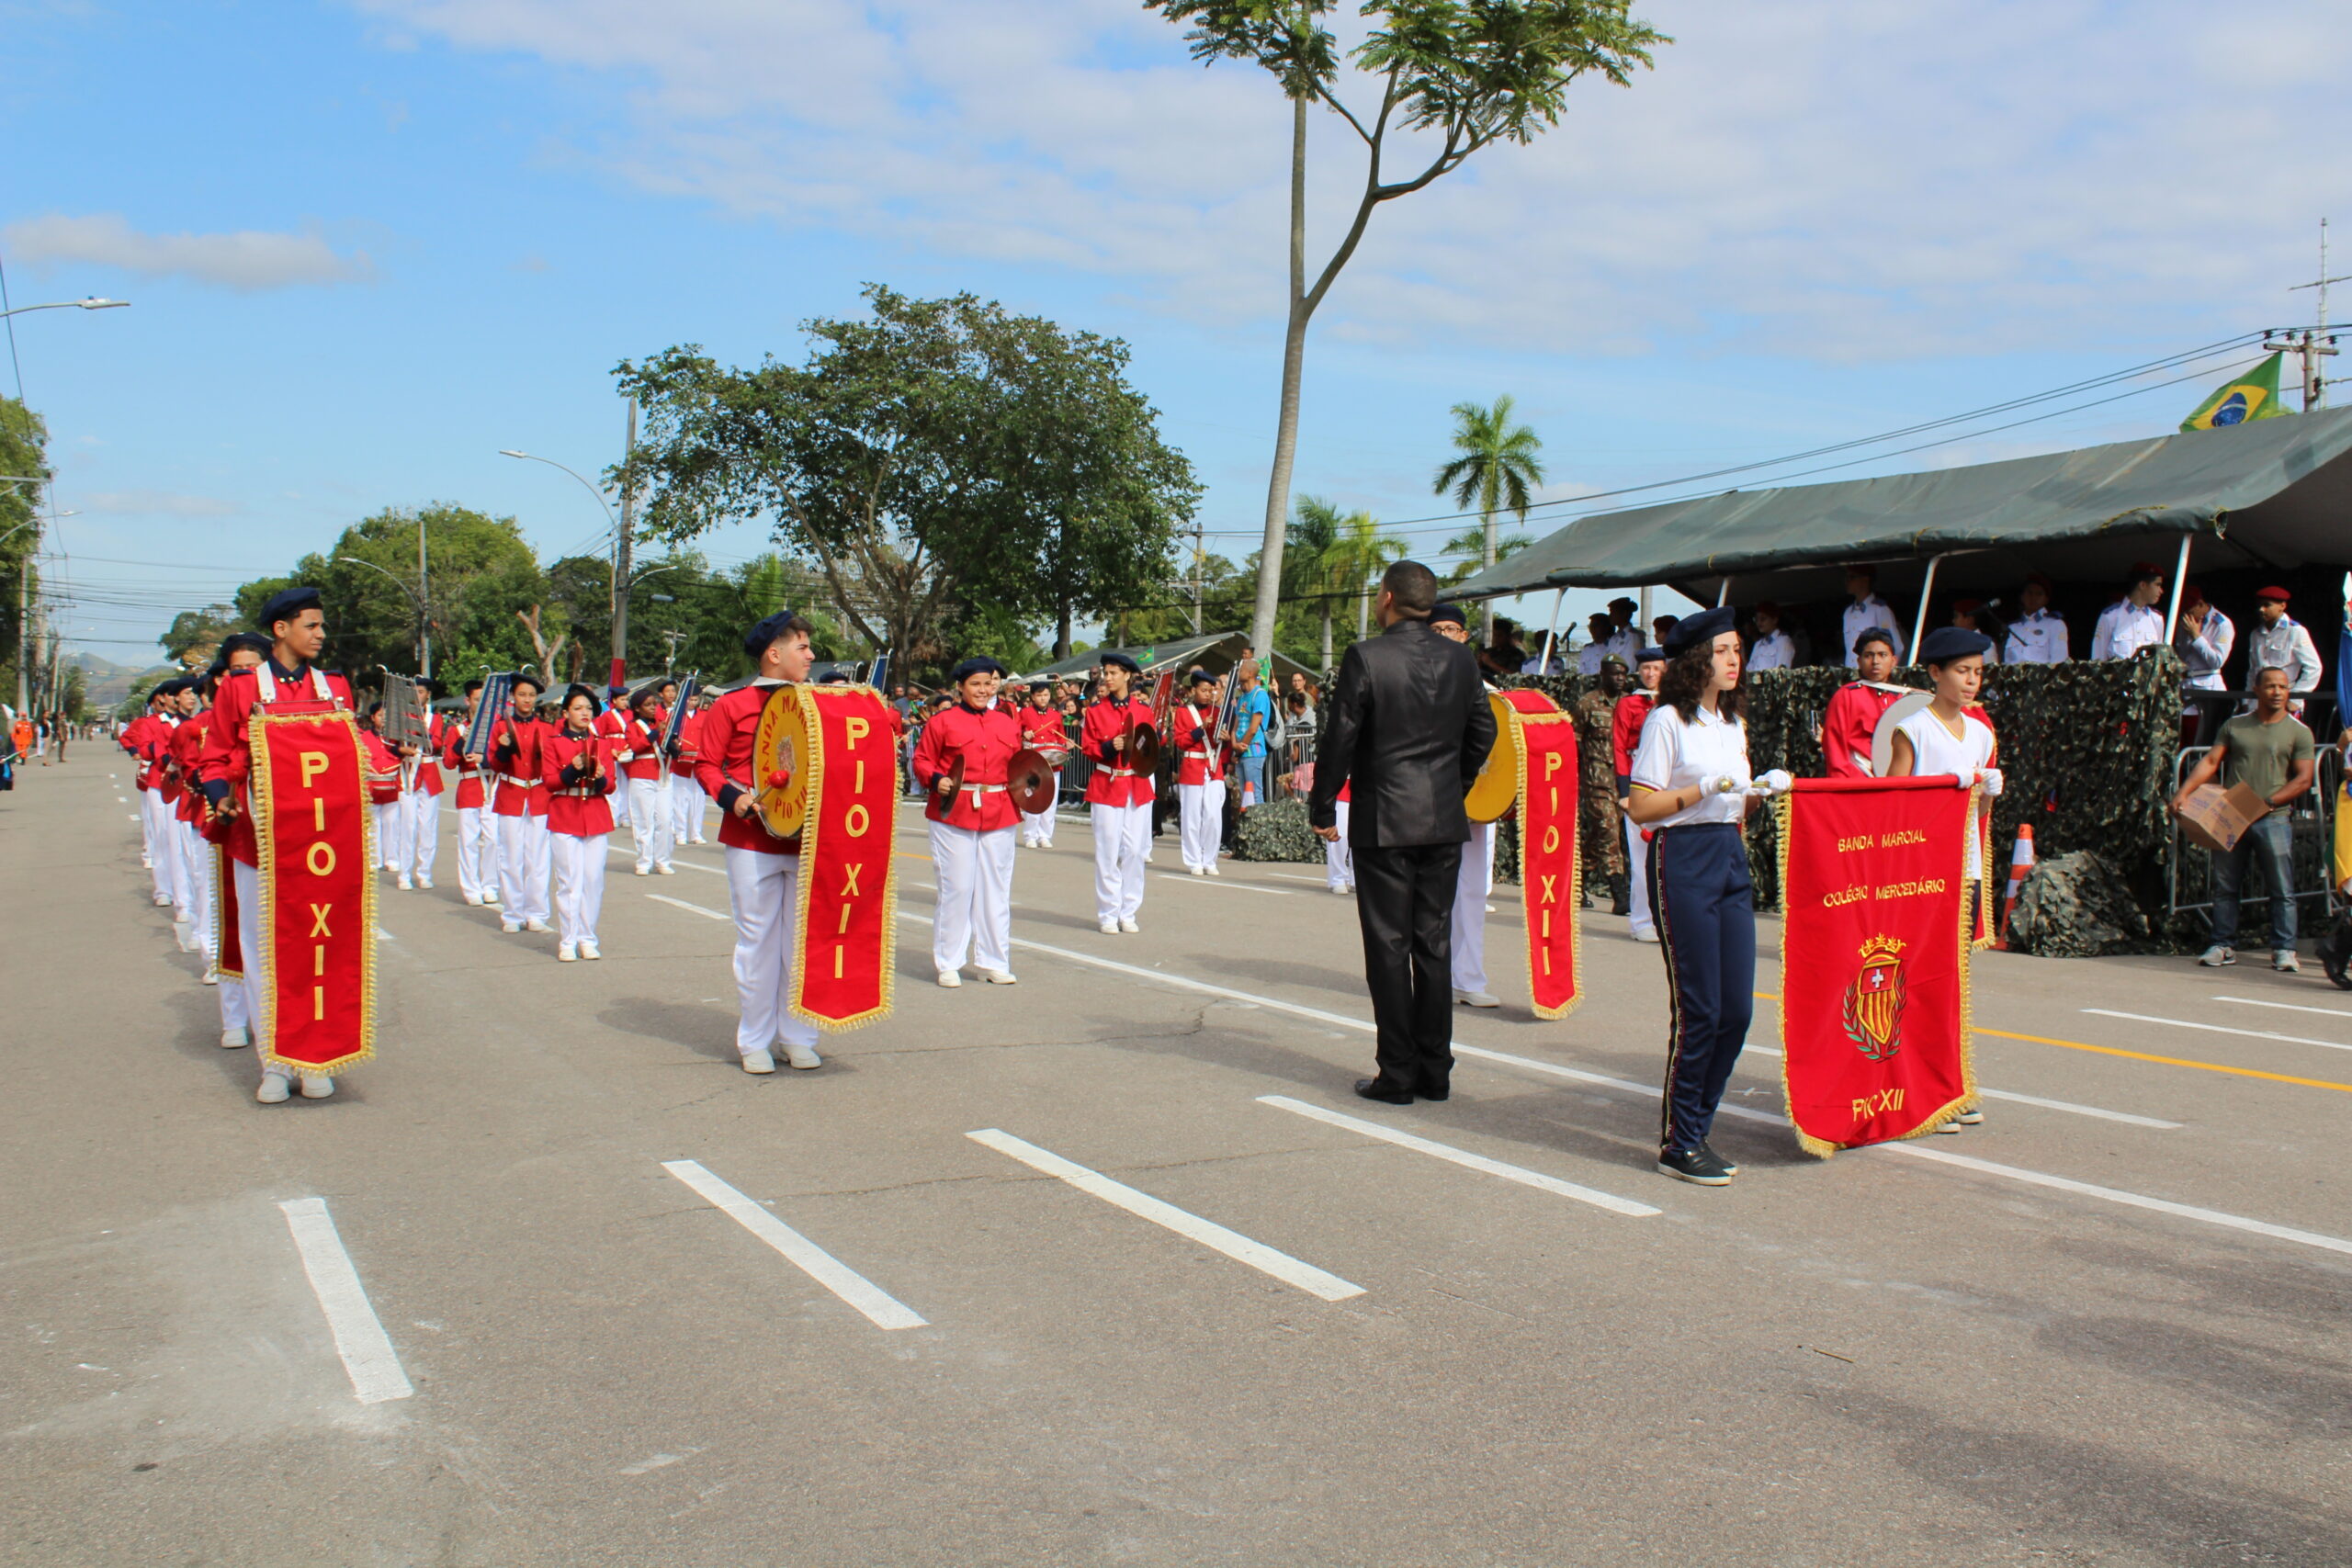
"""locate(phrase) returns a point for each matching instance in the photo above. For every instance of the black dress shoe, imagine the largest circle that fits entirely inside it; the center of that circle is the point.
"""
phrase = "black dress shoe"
(1388, 1094)
(1442, 1089)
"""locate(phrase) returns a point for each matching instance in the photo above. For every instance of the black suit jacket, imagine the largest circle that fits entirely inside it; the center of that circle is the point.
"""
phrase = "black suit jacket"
(1407, 726)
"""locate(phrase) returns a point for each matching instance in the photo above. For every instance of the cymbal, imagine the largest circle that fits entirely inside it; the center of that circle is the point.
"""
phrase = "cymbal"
(1143, 749)
(1031, 782)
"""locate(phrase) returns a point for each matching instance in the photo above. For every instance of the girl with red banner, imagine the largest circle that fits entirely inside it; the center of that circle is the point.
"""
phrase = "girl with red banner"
(1692, 789)
(576, 763)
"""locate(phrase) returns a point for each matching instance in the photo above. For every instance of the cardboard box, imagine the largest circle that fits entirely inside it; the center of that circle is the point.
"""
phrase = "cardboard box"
(2218, 817)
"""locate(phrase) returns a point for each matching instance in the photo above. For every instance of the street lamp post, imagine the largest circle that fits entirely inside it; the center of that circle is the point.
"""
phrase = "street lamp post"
(624, 531)
(92, 303)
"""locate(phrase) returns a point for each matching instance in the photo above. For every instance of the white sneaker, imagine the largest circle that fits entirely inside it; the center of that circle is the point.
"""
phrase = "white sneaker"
(588, 950)
(2285, 962)
(999, 976)
(949, 979)
(163, 900)
(1476, 999)
(236, 1039)
(1648, 936)
(666, 871)
(406, 886)
(1209, 869)
(1129, 925)
(759, 1062)
(274, 1088)
(2217, 956)
(1109, 928)
(1340, 890)
(317, 1086)
(802, 1056)
(537, 925)
(211, 976)
(566, 952)
(424, 882)
(511, 928)
(489, 895)
(644, 871)
(1195, 871)
(474, 898)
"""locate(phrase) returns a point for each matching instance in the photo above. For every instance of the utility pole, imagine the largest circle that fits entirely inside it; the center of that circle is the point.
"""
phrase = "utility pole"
(2314, 343)
(673, 637)
(621, 561)
(423, 597)
(1196, 576)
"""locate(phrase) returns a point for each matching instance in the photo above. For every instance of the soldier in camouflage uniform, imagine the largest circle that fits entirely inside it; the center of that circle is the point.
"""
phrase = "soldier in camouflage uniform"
(1601, 840)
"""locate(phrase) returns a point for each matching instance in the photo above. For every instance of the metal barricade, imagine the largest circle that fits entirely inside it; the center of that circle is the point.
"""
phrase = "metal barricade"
(2310, 848)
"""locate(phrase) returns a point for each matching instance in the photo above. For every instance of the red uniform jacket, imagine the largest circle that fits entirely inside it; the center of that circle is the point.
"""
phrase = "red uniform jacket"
(515, 757)
(1039, 731)
(383, 768)
(137, 737)
(428, 756)
(1626, 728)
(470, 793)
(227, 758)
(577, 802)
(1114, 782)
(187, 751)
(724, 770)
(1849, 725)
(985, 739)
(164, 775)
(643, 761)
(689, 742)
(1198, 758)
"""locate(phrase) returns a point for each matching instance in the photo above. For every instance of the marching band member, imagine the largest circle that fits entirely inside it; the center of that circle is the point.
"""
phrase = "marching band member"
(643, 763)
(238, 650)
(1118, 798)
(387, 805)
(1692, 787)
(477, 827)
(1625, 734)
(1849, 724)
(971, 826)
(1474, 883)
(1200, 775)
(1041, 730)
(297, 624)
(128, 738)
(138, 738)
(686, 797)
(526, 862)
(420, 826)
(577, 765)
(1338, 858)
(762, 871)
(187, 824)
(164, 792)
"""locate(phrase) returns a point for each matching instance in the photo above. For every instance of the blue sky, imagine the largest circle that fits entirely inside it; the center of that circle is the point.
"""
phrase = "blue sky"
(370, 244)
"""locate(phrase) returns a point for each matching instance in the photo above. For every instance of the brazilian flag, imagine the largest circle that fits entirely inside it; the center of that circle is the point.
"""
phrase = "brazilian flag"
(2250, 397)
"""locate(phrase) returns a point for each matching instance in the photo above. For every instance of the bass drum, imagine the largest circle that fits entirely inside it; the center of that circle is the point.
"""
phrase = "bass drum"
(782, 745)
(1497, 785)
(1882, 737)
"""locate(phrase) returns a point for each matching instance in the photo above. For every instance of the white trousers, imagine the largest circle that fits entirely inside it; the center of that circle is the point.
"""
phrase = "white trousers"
(236, 1011)
(256, 957)
(155, 824)
(1200, 822)
(764, 891)
(1037, 828)
(477, 851)
(649, 821)
(687, 800)
(392, 831)
(1122, 845)
(974, 918)
(1637, 861)
(525, 864)
(420, 843)
(195, 882)
(1339, 861)
(1475, 880)
(579, 884)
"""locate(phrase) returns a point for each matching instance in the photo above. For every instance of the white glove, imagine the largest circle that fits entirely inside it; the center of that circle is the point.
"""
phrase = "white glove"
(1989, 780)
(1721, 784)
(1776, 780)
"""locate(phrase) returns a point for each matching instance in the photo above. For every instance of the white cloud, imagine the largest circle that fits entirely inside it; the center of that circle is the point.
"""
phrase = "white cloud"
(156, 503)
(248, 259)
(1836, 179)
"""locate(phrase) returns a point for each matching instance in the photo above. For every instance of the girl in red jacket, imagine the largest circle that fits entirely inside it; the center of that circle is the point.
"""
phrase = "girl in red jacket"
(578, 767)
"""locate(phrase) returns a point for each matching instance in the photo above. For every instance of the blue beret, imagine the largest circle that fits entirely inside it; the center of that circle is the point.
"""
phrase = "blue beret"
(1650, 656)
(1200, 677)
(979, 664)
(1704, 626)
(287, 604)
(833, 678)
(1448, 612)
(1945, 644)
(760, 638)
(1123, 660)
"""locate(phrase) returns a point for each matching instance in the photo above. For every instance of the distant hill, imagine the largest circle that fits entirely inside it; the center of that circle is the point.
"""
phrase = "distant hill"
(108, 683)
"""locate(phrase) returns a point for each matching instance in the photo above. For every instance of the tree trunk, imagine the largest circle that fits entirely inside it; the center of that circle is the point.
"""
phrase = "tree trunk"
(1270, 556)
(1363, 613)
(1061, 635)
(1486, 558)
(1327, 636)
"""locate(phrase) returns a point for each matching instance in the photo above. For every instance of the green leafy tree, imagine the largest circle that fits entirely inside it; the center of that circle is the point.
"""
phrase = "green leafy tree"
(1462, 73)
(194, 633)
(1498, 471)
(938, 456)
(24, 447)
(1467, 550)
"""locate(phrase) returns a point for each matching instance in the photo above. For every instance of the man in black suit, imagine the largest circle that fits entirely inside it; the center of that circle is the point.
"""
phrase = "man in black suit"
(1407, 728)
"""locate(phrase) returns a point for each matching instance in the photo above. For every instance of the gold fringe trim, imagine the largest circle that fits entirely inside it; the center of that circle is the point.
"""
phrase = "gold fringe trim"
(223, 889)
(810, 700)
(266, 889)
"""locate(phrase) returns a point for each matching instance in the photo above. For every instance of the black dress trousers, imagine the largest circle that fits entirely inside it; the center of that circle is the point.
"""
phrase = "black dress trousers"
(1405, 904)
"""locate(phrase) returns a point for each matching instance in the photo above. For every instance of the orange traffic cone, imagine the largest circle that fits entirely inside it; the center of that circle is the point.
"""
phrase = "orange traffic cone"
(2020, 867)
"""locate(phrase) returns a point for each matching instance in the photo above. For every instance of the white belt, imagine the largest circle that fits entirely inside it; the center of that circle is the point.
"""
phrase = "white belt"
(981, 789)
(1118, 772)
(520, 783)
(1203, 756)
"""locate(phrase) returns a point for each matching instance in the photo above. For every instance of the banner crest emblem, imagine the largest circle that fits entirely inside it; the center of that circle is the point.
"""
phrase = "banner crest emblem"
(1875, 1000)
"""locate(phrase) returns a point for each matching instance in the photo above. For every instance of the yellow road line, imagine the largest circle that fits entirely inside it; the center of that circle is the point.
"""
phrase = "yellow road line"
(2144, 1056)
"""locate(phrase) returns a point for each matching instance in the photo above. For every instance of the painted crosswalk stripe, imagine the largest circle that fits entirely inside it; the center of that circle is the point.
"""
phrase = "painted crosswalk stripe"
(695, 909)
(883, 1309)
(2220, 1029)
(359, 1338)
(1143, 1205)
(1463, 1157)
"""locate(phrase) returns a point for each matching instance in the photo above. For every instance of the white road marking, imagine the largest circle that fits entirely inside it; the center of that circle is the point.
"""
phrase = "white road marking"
(1143, 1205)
(2286, 1006)
(697, 909)
(2066, 1105)
(885, 1310)
(1293, 876)
(1520, 1174)
(1220, 881)
(2222, 1029)
(383, 935)
(359, 1338)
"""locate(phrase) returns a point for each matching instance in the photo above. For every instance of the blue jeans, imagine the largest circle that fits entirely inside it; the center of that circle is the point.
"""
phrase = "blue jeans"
(1253, 774)
(2272, 840)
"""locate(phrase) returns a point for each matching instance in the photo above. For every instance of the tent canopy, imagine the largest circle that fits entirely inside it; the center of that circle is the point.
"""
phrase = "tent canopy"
(1212, 651)
(2275, 493)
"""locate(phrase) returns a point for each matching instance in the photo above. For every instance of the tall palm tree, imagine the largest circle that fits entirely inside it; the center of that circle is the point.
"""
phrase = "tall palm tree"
(1358, 560)
(1314, 533)
(1466, 548)
(1497, 471)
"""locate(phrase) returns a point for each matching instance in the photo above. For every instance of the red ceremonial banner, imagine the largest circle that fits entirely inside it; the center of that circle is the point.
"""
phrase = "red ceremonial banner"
(309, 800)
(841, 977)
(1546, 749)
(231, 961)
(1874, 946)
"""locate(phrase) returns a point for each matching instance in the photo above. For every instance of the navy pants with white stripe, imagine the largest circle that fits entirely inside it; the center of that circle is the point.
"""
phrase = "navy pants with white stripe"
(1705, 908)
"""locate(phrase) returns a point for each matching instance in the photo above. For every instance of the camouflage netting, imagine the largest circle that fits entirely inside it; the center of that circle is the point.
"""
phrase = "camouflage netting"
(1278, 831)
(2086, 757)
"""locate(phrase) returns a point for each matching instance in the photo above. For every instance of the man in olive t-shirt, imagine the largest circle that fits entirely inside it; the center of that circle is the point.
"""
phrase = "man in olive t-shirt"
(2271, 752)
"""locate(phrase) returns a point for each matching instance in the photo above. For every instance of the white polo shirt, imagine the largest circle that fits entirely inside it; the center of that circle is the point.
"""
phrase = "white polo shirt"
(1674, 755)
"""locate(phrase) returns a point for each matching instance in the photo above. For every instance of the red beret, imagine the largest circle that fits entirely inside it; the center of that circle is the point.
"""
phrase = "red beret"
(1966, 606)
(2278, 594)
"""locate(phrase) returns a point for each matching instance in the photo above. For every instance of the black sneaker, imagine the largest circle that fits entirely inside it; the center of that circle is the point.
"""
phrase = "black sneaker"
(1693, 1165)
(1707, 1148)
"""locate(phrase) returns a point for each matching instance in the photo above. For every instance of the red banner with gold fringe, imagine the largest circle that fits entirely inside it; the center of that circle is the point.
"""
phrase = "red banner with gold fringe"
(1546, 749)
(841, 976)
(318, 900)
(1875, 954)
(231, 957)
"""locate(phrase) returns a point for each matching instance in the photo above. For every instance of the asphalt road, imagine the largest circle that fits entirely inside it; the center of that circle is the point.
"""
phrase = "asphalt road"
(2116, 1334)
